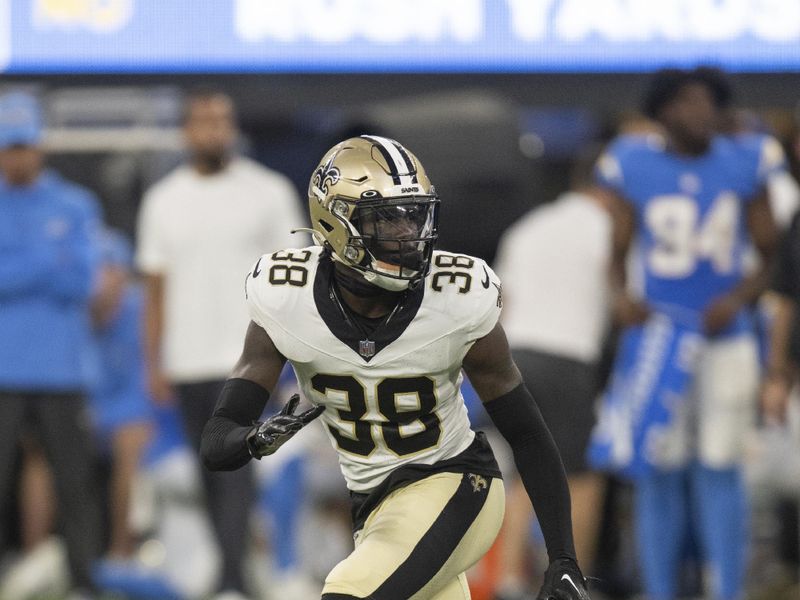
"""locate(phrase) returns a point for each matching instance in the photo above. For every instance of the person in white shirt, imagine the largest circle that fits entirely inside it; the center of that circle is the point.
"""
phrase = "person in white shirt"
(554, 263)
(198, 230)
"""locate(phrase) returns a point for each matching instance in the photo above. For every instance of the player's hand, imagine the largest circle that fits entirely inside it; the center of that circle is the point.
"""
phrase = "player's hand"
(628, 311)
(720, 314)
(106, 300)
(563, 580)
(775, 397)
(265, 438)
(160, 387)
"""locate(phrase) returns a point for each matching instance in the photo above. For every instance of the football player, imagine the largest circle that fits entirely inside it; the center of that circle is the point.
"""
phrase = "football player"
(378, 325)
(695, 200)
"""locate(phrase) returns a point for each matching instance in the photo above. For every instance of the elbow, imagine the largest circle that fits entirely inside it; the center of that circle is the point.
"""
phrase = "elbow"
(215, 463)
(225, 464)
(217, 453)
(207, 457)
(212, 465)
(529, 447)
(209, 454)
(209, 463)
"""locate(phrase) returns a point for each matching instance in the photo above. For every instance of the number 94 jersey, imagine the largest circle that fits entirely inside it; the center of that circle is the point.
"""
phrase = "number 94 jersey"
(690, 211)
(392, 397)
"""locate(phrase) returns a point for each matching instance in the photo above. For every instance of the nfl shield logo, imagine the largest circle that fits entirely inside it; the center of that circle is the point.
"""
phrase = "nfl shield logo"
(366, 348)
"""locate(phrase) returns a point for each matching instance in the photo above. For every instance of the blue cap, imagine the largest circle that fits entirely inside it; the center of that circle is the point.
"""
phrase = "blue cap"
(20, 120)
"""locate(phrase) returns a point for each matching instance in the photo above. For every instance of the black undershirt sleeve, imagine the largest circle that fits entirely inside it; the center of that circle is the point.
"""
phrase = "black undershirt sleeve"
(224, 443)
(518, 419)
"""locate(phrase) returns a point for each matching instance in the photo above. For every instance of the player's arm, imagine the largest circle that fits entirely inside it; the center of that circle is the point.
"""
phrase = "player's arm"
(498, 382)
(779, 376)
(79, 258)
(785, 289)
(764, 235)
(158, 384)
(233, 435)
(65, 270)
(25, 271)
(627, 310)
(609, 181)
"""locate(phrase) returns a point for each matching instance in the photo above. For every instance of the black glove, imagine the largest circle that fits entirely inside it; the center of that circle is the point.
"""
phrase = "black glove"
(265, 438)
(563, 580)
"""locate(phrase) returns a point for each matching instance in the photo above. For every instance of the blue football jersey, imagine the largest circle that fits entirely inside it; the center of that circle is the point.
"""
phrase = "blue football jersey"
(690, 211)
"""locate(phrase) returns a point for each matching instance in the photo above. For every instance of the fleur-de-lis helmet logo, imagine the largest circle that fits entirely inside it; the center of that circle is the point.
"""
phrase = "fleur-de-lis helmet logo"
(325, 175)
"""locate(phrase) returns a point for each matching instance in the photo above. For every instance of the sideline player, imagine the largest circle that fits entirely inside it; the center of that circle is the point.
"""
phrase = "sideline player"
(377, 326)
(697, 200)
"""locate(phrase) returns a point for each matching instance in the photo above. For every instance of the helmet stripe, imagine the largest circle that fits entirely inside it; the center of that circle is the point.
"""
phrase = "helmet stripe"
(400, 170)
(407, 159)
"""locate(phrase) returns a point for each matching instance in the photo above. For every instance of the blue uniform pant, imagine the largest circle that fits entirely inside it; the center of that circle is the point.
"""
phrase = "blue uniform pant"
(712, 503)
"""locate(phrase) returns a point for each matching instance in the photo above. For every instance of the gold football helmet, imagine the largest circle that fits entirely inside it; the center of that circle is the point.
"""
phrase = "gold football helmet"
(372, 205)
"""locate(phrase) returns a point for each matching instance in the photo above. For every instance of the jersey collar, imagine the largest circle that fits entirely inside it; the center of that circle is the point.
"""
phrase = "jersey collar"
(348, 332)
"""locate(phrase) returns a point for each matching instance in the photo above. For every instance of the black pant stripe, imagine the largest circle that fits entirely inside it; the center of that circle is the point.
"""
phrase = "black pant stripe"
(435, 547)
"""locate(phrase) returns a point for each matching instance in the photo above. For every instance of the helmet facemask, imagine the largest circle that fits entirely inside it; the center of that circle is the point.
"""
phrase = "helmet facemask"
(397, 236)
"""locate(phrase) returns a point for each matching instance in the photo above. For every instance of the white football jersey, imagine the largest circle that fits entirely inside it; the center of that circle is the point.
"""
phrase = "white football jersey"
(392, 397)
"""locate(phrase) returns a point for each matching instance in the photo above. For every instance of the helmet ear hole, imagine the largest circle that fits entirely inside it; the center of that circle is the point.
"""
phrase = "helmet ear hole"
(351, 252)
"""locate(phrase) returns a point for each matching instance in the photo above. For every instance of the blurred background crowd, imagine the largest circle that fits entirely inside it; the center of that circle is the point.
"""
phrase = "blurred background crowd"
(151, 152)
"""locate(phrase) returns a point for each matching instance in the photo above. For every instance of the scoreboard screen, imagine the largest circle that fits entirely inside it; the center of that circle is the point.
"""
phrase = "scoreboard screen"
(408, 36)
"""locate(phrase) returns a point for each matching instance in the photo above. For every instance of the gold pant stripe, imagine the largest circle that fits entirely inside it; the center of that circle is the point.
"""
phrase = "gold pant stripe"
(421, 538)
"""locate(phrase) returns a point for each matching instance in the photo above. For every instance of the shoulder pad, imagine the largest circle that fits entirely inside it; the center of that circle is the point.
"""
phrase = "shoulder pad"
(762, 155)
(277, 281)
(615, 161)
(470, 291)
